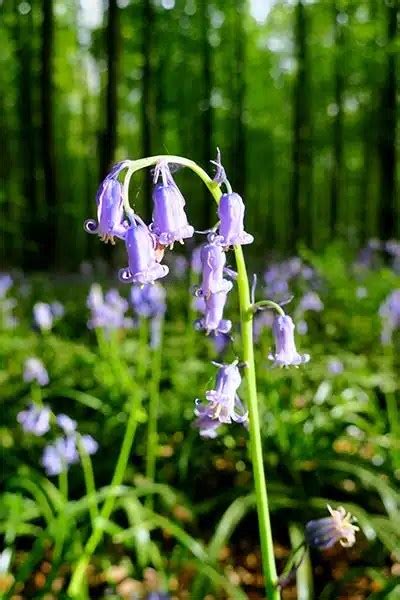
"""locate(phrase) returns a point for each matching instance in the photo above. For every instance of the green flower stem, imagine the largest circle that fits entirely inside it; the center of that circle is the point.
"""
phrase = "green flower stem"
(152, 434)
(76, 585)
(264, 523)
(267, 304)
(246, 319)
(90, 485)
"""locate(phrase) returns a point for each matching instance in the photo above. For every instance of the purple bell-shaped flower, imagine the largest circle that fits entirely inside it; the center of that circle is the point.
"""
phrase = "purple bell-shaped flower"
(170, 223)
(285, 354)
(223, 405)
(213, 320)
(110, 211)
(213, 261)
(231, 214)
(142, 263)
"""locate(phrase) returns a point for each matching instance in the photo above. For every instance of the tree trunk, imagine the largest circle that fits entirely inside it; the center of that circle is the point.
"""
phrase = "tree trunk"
(148, 101)
(387, 131)
(109, 138)
(47, 138)
(301, 193)
(208, 152)
(239, 158)
(337, 156)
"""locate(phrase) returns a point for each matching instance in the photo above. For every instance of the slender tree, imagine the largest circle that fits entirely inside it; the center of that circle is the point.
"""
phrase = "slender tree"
(47, 126)
(387, 129)
(337, 155)
(148, 99)
(239, 158)
(109, 137)
(301, 193)
(207, 114)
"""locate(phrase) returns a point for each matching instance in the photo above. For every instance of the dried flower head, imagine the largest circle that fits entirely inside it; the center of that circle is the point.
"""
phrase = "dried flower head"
(339, 527)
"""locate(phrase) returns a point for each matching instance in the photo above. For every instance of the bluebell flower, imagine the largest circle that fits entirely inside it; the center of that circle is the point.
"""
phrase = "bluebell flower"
(213, 320)
(110, 212)
(311, 302)
(57, 309)
(148, 301)
(231, 215)
(43, 316)
(5, 284)
(389, 312)
(34, 370)
(67, 424)
(213, 261)
(325, 533)
(107, 312)
(63, 452)
(285, 354)
(335, 366)
(223, 404)
(35, 419)
(169, 223)
(142, 259)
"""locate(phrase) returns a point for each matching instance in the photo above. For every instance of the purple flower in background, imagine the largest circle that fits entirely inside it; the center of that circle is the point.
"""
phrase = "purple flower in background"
(34, 370)
(155, 332)
(110, 211)
(67, 424)
(262, 320)
(339, 527)
(43, 316)
(302, 327)
(213, 261)
(213, 314)
(195, 263)
(64, 452)
(90, 445)
(231, 214)
(5, 284)
(311, 302)
(107, 312)
(223, 404)
(170, 223)
(389, 312)
(285, 349)
(35, 419)
(179, 266)
(57, 309)
(148, 301)
(142, 261)
(335, 366)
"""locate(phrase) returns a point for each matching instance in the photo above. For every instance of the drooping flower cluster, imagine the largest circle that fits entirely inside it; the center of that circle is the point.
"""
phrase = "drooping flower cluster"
(223, 403)
(107, 312)
(35, 419)
(338, 527)
(389, 312)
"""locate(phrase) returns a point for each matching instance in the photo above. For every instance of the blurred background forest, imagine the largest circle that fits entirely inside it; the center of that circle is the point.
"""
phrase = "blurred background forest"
(300, 95)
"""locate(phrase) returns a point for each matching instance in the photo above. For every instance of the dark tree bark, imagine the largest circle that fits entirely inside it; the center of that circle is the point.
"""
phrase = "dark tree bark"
(301, 193)
(239, 157)
(47, 130)
(337, 156)
(24, 36)
(109, 138)
(208, 151)
(148, 100)
(387, 130)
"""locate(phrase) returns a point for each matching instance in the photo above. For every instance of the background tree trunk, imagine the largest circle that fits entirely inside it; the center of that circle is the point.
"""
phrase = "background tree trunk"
(148, 101)
(48, 236)
(387, 130)
(209, 151)
(337, 156)
(301, 193)
(109, 137)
